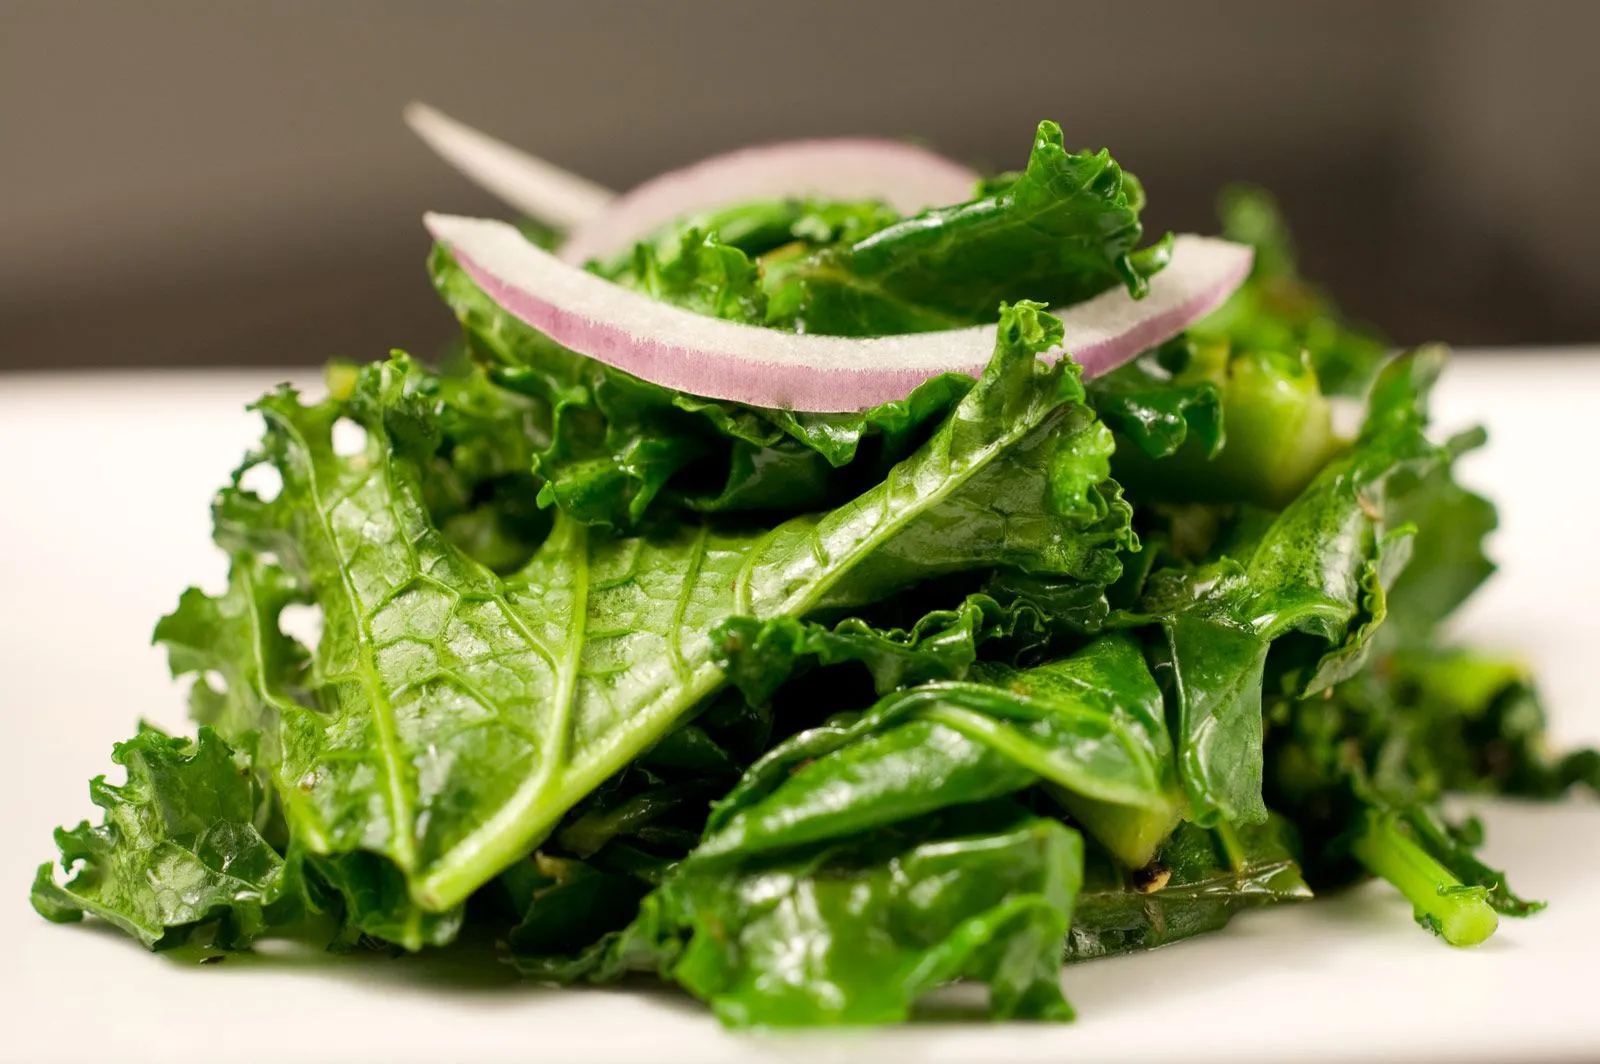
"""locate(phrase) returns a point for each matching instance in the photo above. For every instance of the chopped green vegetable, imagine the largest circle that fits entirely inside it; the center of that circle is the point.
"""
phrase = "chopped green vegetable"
(1064, 229)
(1456, 912)
(1197, 882)
(811, 714)
(1092, 724)
(181, 846)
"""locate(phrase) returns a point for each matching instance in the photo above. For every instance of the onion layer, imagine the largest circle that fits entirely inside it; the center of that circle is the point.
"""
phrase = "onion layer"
(704, 356)
(540, 190)
(908, 178)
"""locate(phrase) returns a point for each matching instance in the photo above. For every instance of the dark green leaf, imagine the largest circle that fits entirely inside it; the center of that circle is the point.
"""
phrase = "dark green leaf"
(878, 924)
(1064, 230)
(569, 920)
(701, 274)
(617, 446)
(1217, 669)
(942, 645)
(1092, 724)
(528, 664)
(1147, 403)
(1448, 562)
(767, 225)
(1320, 567)
(1262, 428)
(1196, 884)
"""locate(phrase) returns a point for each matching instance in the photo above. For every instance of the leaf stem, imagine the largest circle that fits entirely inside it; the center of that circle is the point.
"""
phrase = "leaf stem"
(1231, 847)
(1458, 913)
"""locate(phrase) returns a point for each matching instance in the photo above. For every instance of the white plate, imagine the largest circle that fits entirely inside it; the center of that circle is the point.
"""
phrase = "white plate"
(103, 489)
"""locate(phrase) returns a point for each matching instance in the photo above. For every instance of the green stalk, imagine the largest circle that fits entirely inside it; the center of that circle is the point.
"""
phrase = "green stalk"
(1458, 913)
(1231, 846)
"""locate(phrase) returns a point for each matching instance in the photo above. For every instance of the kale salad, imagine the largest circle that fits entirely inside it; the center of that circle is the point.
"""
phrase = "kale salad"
(822, 575)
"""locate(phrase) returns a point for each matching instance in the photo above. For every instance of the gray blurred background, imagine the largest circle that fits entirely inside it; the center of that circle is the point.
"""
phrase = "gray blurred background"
(187, 183)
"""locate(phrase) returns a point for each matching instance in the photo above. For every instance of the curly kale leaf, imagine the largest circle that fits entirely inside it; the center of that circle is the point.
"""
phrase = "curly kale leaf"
(453, 715)
(1091, 724)
(760, 657)
(1063, 230)
(621, 452)
(1321, 567)
(180, 846)
(858, 932)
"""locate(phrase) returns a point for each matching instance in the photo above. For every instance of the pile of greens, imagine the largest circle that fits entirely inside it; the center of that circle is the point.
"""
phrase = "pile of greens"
(813, 713)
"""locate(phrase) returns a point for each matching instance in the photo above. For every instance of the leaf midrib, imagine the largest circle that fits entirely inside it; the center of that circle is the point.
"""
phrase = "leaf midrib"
(404, 843)
(520, 823)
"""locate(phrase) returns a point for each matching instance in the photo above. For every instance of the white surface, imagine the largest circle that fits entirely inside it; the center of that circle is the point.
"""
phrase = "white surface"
(103, 490)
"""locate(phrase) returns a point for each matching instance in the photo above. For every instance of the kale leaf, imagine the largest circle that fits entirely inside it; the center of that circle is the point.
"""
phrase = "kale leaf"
(858, 932)
(559, 674)
(1064, 229)
(180, 846)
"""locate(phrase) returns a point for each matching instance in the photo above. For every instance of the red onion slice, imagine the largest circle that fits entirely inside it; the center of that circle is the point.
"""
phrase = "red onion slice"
(540, 190)
(908, 178)
(718, 359)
